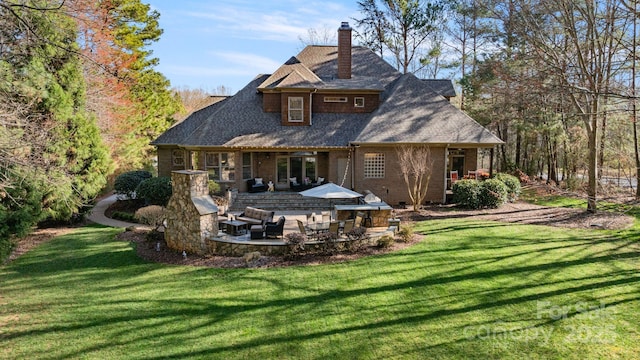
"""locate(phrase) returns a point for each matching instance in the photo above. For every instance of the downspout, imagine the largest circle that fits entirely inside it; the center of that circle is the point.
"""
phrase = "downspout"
(311, 106)
(446, 166)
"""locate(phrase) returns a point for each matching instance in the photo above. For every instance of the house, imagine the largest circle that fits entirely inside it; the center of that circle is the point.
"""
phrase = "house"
(331, 112)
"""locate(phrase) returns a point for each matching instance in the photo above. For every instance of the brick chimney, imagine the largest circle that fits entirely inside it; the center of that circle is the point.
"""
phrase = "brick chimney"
(344, 51)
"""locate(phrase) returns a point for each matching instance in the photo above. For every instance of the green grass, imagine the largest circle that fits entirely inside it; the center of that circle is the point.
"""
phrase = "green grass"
(470, 290)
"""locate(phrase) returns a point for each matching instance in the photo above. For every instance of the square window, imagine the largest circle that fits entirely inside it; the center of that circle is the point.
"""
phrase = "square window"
(358, 102)
(374, 165)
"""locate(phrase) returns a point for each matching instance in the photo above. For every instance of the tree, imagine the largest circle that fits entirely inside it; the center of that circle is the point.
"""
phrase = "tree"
(416, 166)
(580, 42)
(322, 36)
(54, 139)
(404, 28)
(115, 39)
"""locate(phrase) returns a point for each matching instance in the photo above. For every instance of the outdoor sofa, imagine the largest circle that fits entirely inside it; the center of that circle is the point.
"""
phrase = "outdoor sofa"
(255, 216)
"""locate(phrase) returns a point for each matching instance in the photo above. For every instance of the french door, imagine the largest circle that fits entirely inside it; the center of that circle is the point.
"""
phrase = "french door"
(300, 167)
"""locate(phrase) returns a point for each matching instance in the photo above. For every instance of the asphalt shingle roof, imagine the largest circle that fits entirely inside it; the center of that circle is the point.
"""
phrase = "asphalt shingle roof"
(410, 111)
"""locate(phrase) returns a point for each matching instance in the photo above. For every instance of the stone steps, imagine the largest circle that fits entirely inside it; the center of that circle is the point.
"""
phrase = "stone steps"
(282, 201)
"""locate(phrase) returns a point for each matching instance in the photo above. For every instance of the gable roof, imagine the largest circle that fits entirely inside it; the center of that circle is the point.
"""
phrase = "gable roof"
(409, 112)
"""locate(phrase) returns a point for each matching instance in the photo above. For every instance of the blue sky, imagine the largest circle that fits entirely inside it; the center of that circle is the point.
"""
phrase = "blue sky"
(206, 44)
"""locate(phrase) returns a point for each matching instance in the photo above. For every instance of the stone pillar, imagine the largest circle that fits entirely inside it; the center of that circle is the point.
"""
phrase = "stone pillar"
(192, 216)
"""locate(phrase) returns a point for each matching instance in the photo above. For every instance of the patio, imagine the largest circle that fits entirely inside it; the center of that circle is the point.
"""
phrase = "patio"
(229, 245)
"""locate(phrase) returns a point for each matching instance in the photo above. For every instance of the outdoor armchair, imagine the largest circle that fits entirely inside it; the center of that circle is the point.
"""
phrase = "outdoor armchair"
(275, 229)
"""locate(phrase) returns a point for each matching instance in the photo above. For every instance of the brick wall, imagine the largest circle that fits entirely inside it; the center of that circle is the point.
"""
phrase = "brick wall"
(271, 102)
(392, 189)
(371, 102)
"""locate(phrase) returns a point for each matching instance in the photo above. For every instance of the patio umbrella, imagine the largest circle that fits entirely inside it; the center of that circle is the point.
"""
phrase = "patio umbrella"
(330, 191)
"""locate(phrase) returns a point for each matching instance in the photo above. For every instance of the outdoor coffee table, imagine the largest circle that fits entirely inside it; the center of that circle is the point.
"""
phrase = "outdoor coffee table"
(235, 227)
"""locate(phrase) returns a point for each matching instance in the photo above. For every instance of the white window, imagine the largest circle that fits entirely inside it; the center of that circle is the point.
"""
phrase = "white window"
(221, 166)
(335, 99)
(358, 102)
(374, 165)
(178, 157)
(296, 109)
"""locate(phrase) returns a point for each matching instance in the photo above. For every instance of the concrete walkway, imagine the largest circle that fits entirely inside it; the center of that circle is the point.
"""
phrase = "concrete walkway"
(97, 215)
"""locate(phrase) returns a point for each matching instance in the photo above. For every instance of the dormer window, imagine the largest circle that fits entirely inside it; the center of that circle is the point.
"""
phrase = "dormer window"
(296, 109)
(358, 102)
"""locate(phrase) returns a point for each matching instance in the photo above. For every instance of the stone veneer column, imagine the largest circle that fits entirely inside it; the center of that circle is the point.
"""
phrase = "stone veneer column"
(192, 215)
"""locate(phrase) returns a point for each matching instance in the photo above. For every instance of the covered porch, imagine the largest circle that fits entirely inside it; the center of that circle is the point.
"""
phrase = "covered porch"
(287, 169)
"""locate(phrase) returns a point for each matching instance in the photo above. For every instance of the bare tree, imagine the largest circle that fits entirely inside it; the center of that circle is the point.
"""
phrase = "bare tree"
(579, 41)
(404, 28)
(416, 166)
(322, 36)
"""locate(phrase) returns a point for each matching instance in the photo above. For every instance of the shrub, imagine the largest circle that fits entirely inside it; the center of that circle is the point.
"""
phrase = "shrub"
(385, 241)
(328, 243)
(493, 193)
(295, 242)
(124, 216)
(126, 183)
(20, 209)
(358, 238)
(155, 191)
(466, 193)
(214, 188)
(153, 215)
(513, 185)
(405, 233)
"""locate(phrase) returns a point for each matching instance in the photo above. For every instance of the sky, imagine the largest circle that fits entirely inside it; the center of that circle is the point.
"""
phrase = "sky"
(207, 44)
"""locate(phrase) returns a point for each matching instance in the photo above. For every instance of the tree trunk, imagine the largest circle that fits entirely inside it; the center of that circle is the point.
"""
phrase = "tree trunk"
(592, 128)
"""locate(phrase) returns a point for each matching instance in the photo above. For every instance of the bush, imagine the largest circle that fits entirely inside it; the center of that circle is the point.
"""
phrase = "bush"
(358, 238)
(153, 215)
(124, 216)
(385, 241)
(328, 243)
(466, 193)
(295, 242)
(493, 193)
(513, 185)
(405, 233)
(127, 183)
(214, 188)
(155, 191)
(20, 210)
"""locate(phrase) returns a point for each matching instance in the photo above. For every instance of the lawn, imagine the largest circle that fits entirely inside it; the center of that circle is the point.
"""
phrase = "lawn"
(469, 290)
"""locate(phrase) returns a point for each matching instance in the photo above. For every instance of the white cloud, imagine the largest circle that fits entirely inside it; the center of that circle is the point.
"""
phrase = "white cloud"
(227, 64)
(284, 21)
(256, 63)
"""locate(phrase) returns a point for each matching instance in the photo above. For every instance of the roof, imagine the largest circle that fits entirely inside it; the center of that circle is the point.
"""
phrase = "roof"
(410, 110)
(425, 118)
(443, 87)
